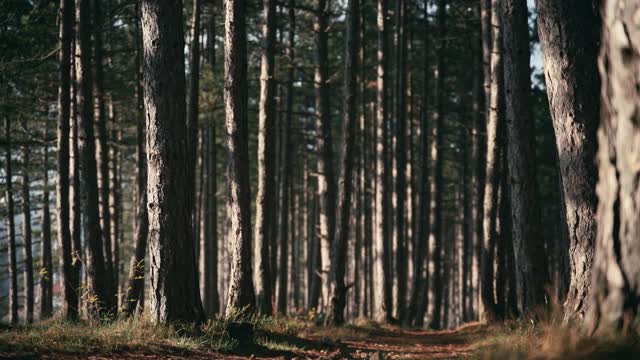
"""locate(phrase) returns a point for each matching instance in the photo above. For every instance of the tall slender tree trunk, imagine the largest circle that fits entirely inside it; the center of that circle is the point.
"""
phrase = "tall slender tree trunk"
(489, 218)
(46, 265)
(193, 112)
(69, 280)
(174, 278)
(266, 163)
(401, 159)
(102, 151)
(436, 155)
(27, 236)
(614, 287)
(421, 235)
(100, 301)
(13, 270)
(287, 166)
(382, 282)
(531, 261)
(134, 296)
(241, 292)
(75, 215)
(569, 35)
(326, 181)
(338, 290)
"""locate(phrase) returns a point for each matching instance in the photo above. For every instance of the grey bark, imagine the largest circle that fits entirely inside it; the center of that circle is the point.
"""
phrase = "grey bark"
(569, 34)
(241, 292)
(13, 271)
(615, 280)
(266, 164)
(174, 281)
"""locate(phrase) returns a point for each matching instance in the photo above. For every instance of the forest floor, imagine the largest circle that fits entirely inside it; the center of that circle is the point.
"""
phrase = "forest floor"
(297, 339)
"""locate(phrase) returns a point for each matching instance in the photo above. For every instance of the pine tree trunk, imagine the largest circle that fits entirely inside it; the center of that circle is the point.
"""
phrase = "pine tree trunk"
(193, 111)
(338, 290)
(490, 208)
(174, 277)
(436, 155)
(421, 236)
(102, 153)
(401, 159)
(69, 294)
(382, 282)
(46, 267)
(26, 236)
(531, 260)
(75, 215)
(100, 301)
(266, 162)
(134, 296)
(569, 35)
(13, 271)
(241, 293)
(326, 181)
(614, 287)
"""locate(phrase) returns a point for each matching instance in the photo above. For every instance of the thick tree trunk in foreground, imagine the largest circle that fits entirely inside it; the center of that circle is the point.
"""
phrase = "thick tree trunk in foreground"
(338, 292)
(326, 181)
(265, 198)
(26, 236)
(382, 281)
(241, 293)
(100, 301)
(531, 260)
(13, 270)
(490, 207)
(69, 280)
(615, 276)
(174, 279)
(569, 35)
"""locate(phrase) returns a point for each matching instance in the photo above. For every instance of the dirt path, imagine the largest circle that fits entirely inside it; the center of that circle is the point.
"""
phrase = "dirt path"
(394, 343)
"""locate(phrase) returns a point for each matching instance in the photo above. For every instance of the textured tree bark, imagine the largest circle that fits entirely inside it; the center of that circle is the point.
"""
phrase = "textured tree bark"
(13, 271)
(531, 260)
(27, 236)
(326, 181)
(495, 119)
(402, 262)
(174, 279)
(382, 282)
(46, 265)
(134, 296)
(69, 288)
(266, 163)
(436, 156)
(338, 288)
(569, 34)
(102, 152)
(615, 280)
(99, 302)
(241, 293)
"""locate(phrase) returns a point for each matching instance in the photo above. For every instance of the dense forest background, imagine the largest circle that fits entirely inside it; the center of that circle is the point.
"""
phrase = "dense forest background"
(401, 161)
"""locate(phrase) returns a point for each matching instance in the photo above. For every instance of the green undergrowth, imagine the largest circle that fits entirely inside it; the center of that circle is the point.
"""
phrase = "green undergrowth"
(141, 335)
(550, 340)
